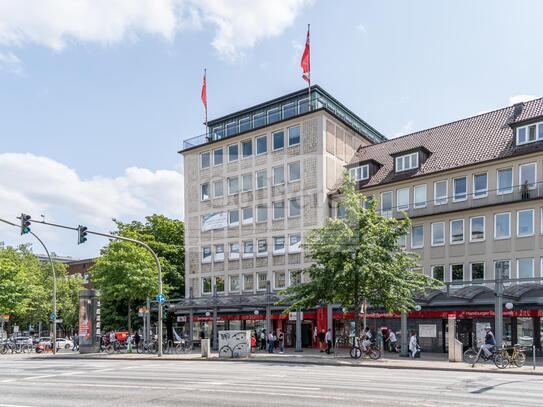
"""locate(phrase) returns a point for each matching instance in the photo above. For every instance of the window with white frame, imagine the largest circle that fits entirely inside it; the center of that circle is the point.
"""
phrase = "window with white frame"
(294, 242)
(205, 160)
(477, 228)
(480, 185)
(259, 119)
(417, 237)
(502, 225)
(233, 253)
(440, 192)
(293, 136)
(274, 115)
(218, 189)
(247, 215)
(402, 241)
(278, 140)
(525, 268)
(280, 280)
(248, 249)
(460, 189)
(402, 199)
(502, 269)
(340, 211)
(261, 179)
(386, 204)
(525, 223)
(246, 148)
(204, 188)
(206, 254)
(248, 282)
(262, 279)
(233, 284)
(278, 175)
(366, 202)
(438, 233)
(247, 182)
(457, 231)
(419, 196)
(206, 285)
(289, 110)
(407, 162)
(233, 217)
(529, 133)
(457, 272)
(233, 185)
(219, 284)
(294, 207)
(278, 210)
(527, 176)
(231, 128)
(219, 252)
(261, 145)
(360, 173)
(262, 247)
(438, 272)
(279, 245)
(294, 171)
(218, 156)
(504, 180)
(233, 152)
(477, 271)
(245, 124)
(295, 277)
(261, 214)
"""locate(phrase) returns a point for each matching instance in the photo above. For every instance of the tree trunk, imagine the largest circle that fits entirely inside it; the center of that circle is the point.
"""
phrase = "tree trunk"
(129, 318)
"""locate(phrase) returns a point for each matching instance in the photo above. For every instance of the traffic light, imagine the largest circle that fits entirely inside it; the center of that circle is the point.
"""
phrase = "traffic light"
(81, 234)
(25, 224)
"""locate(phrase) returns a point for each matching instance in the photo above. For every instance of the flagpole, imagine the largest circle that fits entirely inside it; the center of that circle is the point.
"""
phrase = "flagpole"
(205, 81)
(309, 73)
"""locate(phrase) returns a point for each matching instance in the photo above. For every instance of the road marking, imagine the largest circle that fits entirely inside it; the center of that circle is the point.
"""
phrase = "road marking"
(46, 376)
(13, 405)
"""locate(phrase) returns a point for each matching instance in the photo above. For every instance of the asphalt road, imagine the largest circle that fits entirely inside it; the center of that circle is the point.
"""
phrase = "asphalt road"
(26, 382)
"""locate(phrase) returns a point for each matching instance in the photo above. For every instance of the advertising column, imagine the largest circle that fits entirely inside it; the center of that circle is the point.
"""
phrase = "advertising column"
(89, 321)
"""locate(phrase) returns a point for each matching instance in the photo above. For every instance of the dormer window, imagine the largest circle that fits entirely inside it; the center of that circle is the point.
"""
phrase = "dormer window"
(360, 173)
(530, 133)
(407, 162)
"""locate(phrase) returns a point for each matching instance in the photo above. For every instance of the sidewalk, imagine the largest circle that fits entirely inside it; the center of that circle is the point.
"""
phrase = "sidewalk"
(428, 361)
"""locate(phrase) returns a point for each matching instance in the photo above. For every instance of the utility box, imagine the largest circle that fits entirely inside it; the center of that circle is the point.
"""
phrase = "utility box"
(204, 346)
(234, 344)
(89, 321)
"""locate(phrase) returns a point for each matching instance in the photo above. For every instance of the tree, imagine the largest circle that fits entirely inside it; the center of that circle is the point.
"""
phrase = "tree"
(358, 258)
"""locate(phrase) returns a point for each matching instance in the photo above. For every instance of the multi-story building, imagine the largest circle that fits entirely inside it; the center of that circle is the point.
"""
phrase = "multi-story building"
(254, 185)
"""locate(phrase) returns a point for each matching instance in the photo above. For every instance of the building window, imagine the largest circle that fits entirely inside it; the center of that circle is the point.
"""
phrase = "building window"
(259, 119)
(248, 282)
(246, 148)
(233, 185)
(244, 124)
(460, 189)
(233, 218)
(419, 199)
(505, 181)
(502, 269)
(502, 225)
(294, 171)
(386, 204)
(261, 145)
(261, 214)
(231, 128)
(206, 285)
(247, 182)
(234, 251)
(360, 173)
(204, 196)
(248, 249)
(438, 233)
(530, 133)
(274, 115)
(527, 175)
(295, 277)
(219, 284)
(218, 189)
(293, 136)
(261, 179)
(294, 242)
(206, 254)
(233, 284)
(278, 175)
(278, 210)
(289, 110)
(280, 280)
(417, 237)
(262, 281)
(438, 272)
(402, 241)
(294, 207)
(402, 199)
(440, 192)
(303, 106)
(247, 215)
(477, 228)
(218, 133)
(262, 248)
(457, 272)
(480, 185)
(525, 223)
(219, 252)
(278, 140)
(279, 245)
(340, 211)
(233, 152)
(407, 162)
(457, 231)
(477, 271)
(525, 268)
(218, 156)
(204, 160)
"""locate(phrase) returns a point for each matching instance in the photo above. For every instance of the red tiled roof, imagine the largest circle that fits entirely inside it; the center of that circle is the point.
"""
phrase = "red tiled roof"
(485, 137)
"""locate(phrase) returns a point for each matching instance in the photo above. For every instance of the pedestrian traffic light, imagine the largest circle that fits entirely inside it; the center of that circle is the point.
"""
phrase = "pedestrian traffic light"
(81, 234)
(25, 223)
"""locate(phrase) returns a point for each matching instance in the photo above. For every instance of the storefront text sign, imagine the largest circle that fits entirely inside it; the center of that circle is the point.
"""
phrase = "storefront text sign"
(427, 330)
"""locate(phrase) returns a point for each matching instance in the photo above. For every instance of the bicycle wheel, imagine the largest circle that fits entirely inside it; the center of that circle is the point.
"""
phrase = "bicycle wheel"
(519, 359)
(374, 353)
(470, 356)
(501, 359)
(226, 352)
(356, 352)
(110, 348)
(3, 349)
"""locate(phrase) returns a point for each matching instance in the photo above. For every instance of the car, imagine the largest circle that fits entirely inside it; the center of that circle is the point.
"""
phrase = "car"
(22, 340)
(63, 343)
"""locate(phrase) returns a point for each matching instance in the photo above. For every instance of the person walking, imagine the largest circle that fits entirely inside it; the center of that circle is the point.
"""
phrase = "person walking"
(328, 339)
(322, 337)
(271, 342)
(392, 341)
(137, 339)
(263, 339)
(281, 340)
(413, 344)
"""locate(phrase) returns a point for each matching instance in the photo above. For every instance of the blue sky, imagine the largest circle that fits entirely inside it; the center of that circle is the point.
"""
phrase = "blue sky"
(96, 97)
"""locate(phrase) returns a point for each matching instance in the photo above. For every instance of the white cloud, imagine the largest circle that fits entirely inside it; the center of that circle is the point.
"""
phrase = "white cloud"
(10, 62)
(55, 23)
(360, 27)
(521, 98)
(406, 129)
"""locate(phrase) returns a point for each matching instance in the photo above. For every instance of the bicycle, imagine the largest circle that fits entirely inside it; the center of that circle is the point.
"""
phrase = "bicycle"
(514, 355)
(472, 356)
(371, 350)
(184, 346)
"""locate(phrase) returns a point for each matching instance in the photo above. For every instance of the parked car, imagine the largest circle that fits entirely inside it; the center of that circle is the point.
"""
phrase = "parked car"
(22, 340)
(63, 343)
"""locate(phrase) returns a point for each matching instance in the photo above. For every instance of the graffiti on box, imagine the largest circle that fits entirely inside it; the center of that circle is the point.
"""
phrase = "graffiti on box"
(234, 344)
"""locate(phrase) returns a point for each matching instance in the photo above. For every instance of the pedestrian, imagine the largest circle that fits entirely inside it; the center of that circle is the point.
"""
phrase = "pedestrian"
(322, 337)
(281, 340)
(315, 337)
(253, 343)
(137, 339)
(413, 344)
(75, 343)
(271, 342)
(263, 339)
(328, 339)
(392, 341)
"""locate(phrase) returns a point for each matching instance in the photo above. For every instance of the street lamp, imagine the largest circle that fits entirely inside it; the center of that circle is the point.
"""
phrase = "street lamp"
(256, 312)
(509, 305)
(208, 313)
(418, 307)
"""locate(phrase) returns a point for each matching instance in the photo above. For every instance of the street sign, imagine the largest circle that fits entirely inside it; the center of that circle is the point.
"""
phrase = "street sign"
(59, 321)
(161, 298)
(292, 316)
(53, 316)
(16, 329)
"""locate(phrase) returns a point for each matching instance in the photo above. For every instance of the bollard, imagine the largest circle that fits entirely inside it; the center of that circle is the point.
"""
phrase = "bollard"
(533, 355)
(205, 348)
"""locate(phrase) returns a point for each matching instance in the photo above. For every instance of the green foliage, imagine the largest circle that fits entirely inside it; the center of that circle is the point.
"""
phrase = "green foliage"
(358, 258)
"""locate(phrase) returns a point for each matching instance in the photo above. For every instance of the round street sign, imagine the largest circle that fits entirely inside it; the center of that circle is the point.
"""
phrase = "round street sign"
(161, 298)
(53, 316)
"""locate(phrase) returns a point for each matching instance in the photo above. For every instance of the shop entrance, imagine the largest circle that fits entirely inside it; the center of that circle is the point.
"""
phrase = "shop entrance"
(464, 329)
(307, 333)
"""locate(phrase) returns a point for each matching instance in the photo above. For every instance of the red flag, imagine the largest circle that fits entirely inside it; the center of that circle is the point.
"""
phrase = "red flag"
(204, 92)
(305, 63)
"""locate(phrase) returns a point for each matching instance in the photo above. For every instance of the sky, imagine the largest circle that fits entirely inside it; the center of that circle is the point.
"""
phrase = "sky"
(96, 96)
